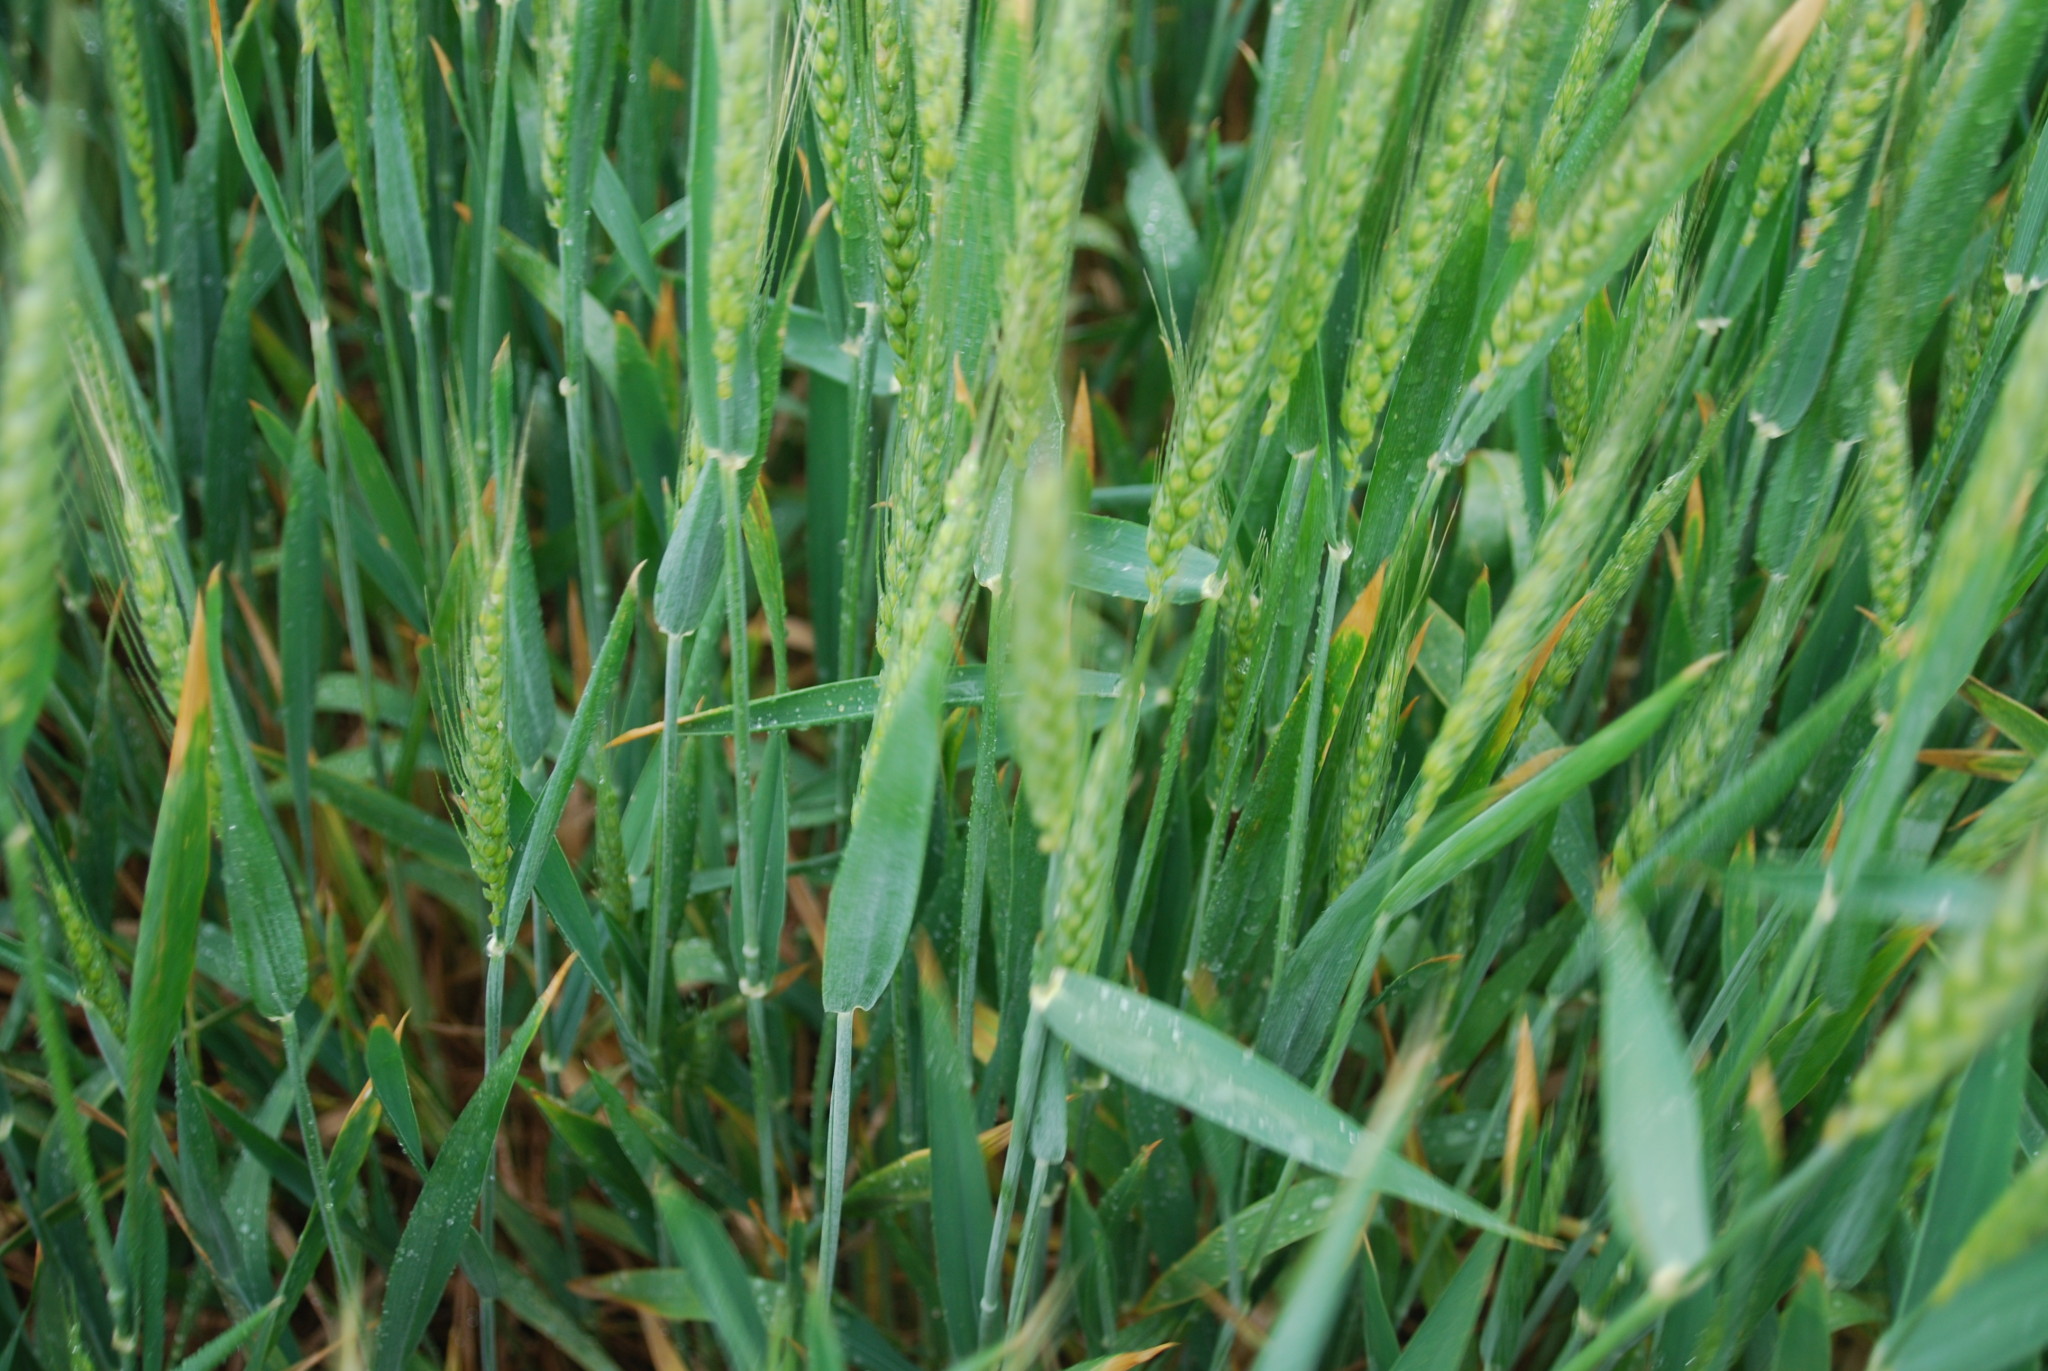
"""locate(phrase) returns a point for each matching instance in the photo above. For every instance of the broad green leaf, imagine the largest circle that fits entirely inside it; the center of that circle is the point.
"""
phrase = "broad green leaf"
(2009, 717)
(596, 701)
(1446, 1335)
(875, 892)
(721, 1282)
(1182, 1060)
(398, 198)
(260, 902)
(385, 1059)
(1303, 1213)
(167, 940)
(961, 1210)
(1977, 1150)
(1803, 1335)
(1495, 827)
(1997, 1320)
(441, 1218)
(663, 1291)
(838, 702)
(218, 1349)
(1649, 1117)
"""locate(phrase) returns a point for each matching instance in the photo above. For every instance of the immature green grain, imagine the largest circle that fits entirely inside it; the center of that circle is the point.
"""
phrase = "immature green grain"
(1225, 374)
(1088, 873)
(1619, 571)
(1369, 767)
(33, 396)
(938, 44)
(159, 612)
(934, 599)
(1785, 148)
(1972, 323)
(122, 20)
(1543, 592)
(1571, 388)
(1677, 125)
(1458, 152)
(405, 60)
(480, 754)
(1887, 502)
(1052, 160)
(145, 529)
(554, 31)
(1049, 742)
(1985, 981)
(1725, 716)
(1242, 619)
(1576, 86)
(742, 176)
(2005, 823)
(831, 87)
(1536, 39)
(1370, 76)
(322, 30)
(898, 201)
(1658, 284)
(96, 974)
(1854, 113)
(614, 891)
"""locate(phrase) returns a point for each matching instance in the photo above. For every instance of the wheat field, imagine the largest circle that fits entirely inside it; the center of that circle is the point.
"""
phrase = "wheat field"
(1277, 684)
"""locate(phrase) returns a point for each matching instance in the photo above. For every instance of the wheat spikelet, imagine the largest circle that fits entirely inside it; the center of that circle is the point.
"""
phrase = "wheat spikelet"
(1576, 86)
(1370, 73)
(1088, 875)
(1668, 135)
(122, 21)
(742, 176)
(1543, 591)
(1854, 112)
(1571, 388)
(898, 201)
(323, 31)
(1888, 502)
(474, 720)
(1048, 737)
(1461, 137)
(412, 96)
(2005, 823)
(33, 395)
(1052, 159)
(1236, 342)
(554, 38)
(938, 41)
(831, 86)
(1985, 981)
(1618, 572)
(1785, 148)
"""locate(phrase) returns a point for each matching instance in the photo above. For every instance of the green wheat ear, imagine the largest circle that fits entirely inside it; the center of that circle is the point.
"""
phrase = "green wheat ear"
(1986, 980)
(32, 405)
(1049, 739)
(1225, 373)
